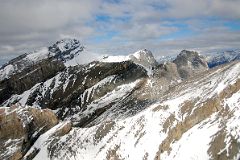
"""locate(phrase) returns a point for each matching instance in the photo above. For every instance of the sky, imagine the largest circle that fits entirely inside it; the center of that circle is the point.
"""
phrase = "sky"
(120, 26)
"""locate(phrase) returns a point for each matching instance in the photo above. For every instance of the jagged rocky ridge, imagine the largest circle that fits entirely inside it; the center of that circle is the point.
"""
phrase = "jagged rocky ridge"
(223, 57)
(130, 107)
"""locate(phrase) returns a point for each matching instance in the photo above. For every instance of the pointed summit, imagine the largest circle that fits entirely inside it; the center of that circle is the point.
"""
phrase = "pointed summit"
(66, 45)
(145, 57)
(61, 51)
(190, 62)
(191, 59)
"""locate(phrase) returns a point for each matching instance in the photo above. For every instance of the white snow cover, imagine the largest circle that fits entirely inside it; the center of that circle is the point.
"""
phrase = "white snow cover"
(84, 57)
(118, 93)
(116, 58)
(194, 143)
(137, 55)
(32, 58)
(22, 98)
(221, 57)
(38, 55)
(143, 58)
(41, 141)
(139, 136)
(6, 71)
(13, 146)
(233, 127)
(29, 59)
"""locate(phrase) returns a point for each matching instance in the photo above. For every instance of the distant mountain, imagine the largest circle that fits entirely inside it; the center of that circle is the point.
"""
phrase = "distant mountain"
(164, 59)
(223, 57)
(118, 107)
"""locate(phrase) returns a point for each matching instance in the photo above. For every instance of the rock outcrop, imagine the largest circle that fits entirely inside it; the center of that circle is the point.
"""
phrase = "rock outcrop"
(20, 127)
(189, 63)
(144, 57)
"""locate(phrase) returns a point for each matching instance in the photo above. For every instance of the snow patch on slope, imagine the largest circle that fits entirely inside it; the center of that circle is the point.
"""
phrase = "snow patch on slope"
(143, 58)
(41, 141)
(6, 71)
(38, 55)
(194, 143)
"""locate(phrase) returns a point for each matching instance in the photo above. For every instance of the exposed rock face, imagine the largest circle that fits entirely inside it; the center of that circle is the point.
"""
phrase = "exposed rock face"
(168, 70)
(23, 72)
(26, 79)
(184, 66)
(189, 62)
(72, 90)
(20, 127)
(66, 49)
(144, 57)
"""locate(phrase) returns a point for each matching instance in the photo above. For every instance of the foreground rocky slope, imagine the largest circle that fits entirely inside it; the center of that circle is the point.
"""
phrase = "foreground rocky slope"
(128, 107)
(201, 114)
(20, 127)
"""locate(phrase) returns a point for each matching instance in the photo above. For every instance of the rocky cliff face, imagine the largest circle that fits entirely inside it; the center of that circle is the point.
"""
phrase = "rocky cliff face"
(21, 127)
(123, 107)
(189, 63)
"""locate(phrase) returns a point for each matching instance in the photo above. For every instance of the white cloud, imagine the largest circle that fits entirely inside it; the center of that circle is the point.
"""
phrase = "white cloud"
(29, 24)
(43, 15)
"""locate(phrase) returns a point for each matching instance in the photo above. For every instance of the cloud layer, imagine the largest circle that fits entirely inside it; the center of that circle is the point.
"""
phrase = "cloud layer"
(120, 26)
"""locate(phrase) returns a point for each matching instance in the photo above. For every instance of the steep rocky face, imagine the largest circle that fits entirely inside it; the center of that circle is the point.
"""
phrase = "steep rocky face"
(28, 77)
(23, 72)
(168, 70)
(66, 49)
(20, 127)
(144, 57)
(186, 65)
(190, 62)
(71, 91)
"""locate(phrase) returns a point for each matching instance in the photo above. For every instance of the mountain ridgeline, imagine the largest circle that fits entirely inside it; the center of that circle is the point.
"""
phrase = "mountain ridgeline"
(119, 107)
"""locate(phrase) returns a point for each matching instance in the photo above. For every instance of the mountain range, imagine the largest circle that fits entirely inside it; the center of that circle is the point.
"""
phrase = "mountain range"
(119, 107)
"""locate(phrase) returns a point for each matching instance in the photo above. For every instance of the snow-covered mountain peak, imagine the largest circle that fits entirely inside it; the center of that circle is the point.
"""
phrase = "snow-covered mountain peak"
(142, 52)
(62, 51)
(144, 55)
(223, 57)
(66, 45)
